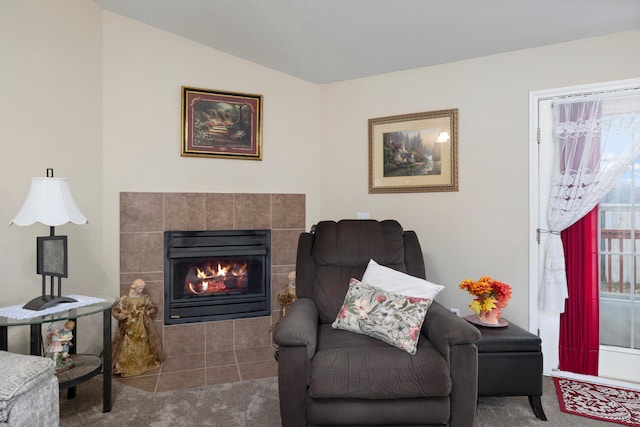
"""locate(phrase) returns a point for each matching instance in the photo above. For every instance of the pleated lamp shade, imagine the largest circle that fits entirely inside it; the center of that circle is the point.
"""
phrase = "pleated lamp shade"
(49, 202)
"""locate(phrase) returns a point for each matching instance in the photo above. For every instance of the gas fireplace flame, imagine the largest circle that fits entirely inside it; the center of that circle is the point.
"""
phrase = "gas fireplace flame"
(222, 271)
(239, 270)
(213, 278)
(202, 289)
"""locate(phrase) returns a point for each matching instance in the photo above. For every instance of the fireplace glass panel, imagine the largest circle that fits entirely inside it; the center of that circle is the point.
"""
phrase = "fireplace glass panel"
(216, 275)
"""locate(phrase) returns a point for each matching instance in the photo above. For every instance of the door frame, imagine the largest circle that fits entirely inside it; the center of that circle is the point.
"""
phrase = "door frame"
(547, 324)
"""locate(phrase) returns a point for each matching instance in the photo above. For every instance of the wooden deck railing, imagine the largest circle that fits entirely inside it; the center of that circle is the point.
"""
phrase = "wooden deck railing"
(615, 247)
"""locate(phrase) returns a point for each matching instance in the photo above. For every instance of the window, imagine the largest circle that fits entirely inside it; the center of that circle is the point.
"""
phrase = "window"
(619, 248)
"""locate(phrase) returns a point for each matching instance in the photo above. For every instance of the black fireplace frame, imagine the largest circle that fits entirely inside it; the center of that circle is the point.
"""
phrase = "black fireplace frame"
(216, 243)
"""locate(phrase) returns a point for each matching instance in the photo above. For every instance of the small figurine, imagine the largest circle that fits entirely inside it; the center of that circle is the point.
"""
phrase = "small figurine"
(136, 348)
(291, 287)
(287, 296)
(58, 343)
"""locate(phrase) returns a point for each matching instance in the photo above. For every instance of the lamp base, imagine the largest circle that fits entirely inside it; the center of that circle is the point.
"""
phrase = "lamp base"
(46, 301)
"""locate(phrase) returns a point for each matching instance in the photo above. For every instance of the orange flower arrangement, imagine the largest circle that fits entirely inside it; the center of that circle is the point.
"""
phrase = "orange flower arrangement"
(490, 294)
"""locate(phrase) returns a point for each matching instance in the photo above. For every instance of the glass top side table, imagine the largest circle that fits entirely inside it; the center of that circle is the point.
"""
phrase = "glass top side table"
(86, 366)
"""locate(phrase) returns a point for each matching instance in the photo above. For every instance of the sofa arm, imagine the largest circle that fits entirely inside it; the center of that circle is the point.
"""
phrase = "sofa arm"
(299, 327)
(454, 338)
(444, 329)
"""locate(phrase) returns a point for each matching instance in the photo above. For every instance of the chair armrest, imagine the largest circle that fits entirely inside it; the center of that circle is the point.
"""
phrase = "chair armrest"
(444, 329)
(299, 327)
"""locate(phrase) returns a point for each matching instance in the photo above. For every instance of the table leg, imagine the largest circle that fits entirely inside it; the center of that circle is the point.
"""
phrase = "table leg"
(106, 361)
(4, 341)
(35, 340)
(71, 391)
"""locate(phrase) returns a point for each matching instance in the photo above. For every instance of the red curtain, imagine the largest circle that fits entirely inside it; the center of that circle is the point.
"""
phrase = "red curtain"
(579, 324)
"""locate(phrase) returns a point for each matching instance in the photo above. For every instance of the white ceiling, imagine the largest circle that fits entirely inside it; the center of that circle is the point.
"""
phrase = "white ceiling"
(325, 41)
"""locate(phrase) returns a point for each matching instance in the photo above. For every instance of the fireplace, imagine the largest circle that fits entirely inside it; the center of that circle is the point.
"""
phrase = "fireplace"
(216, 275)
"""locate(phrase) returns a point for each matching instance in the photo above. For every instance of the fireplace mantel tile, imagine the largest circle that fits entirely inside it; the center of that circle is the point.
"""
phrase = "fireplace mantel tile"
(253, 355)
(155, 289)
(252, 211)
(151, 279)
(181, 380)
(222, 374)
(288, 211)
(184, 211)
(140, 212)
(284, 246)
(183, 363)
(265, 369)
(219, 336)
(219, 207)
(253, 332)
(146, 383)
(182, 340)
(141, 252)
(220, 358)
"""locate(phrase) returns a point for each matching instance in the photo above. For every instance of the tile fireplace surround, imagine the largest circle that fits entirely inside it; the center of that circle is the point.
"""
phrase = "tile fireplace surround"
(206, 353)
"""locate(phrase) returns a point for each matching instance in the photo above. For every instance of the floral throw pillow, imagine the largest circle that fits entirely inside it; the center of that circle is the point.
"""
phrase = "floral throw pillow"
(392, 318)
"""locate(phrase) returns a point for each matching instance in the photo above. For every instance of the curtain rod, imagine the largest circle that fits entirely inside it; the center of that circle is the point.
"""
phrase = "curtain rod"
(616, 92)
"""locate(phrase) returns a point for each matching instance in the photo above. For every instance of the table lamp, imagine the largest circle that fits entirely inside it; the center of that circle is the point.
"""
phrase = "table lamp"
(49, 202)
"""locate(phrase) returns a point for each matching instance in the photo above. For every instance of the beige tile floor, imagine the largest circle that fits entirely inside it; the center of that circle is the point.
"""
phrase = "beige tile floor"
(198, 370)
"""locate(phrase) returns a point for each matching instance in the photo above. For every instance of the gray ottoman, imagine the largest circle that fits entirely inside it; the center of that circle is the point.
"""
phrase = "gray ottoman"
(28, 391)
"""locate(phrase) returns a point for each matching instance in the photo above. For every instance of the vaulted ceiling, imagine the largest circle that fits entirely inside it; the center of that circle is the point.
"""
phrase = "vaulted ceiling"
(325, 41)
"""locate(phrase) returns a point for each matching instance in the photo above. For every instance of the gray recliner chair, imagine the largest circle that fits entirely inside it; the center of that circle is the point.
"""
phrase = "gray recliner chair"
(330, 377)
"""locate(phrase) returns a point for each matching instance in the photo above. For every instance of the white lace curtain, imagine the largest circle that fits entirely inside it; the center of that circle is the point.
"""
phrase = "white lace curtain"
(596, 140)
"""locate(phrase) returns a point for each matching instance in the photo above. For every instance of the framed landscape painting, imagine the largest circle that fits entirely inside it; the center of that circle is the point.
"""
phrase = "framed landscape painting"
(413, 153)
(221, 124)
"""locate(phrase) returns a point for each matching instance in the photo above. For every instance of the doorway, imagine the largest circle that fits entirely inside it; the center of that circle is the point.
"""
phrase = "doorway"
(615, 362)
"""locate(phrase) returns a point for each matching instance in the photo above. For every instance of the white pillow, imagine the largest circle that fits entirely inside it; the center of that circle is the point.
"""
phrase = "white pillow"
(395, 281)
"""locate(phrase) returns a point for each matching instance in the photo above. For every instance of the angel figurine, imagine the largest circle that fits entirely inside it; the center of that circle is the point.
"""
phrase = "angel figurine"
(136, 348)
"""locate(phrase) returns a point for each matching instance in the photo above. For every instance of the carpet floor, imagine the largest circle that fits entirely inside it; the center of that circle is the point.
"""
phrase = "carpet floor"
(255, 403)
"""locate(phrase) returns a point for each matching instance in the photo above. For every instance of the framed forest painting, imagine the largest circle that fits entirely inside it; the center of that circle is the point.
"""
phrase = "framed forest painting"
(414, 152)
(221, 124)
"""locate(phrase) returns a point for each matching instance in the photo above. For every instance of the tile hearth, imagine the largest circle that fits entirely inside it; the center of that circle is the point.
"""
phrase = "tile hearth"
(213, 368)
(207, 353)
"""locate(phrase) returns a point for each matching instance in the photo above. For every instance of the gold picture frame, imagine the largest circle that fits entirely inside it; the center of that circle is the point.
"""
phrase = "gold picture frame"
(221, 124)
(414, 153)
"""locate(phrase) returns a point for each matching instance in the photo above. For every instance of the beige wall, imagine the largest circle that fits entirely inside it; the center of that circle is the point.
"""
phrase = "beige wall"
(97, 97)
(144, 69)
(483, 229)
(50, 116)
